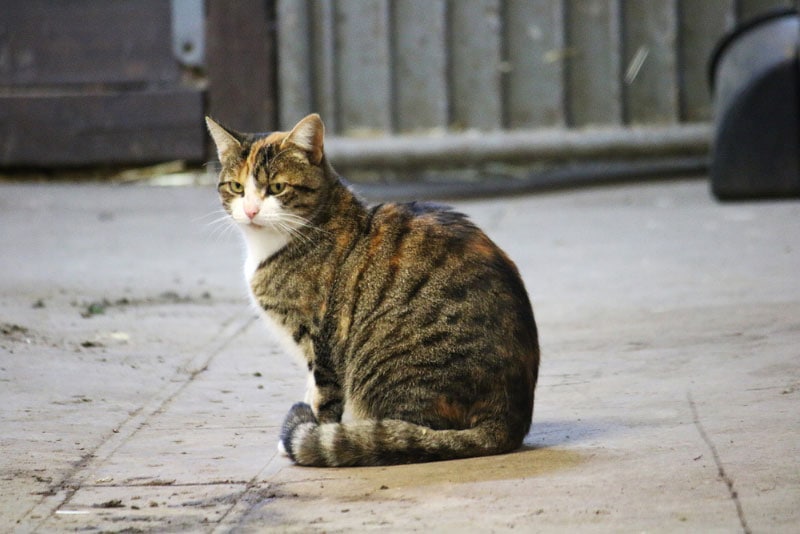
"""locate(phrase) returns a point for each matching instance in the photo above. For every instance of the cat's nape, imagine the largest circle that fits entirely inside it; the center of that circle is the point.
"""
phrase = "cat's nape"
(406, 313)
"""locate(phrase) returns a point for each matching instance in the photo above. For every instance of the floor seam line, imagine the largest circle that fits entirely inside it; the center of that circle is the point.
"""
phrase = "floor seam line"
(174, 389)
(718, 463)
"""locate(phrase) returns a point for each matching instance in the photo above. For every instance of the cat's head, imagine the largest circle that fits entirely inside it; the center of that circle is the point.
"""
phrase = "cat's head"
(271, 181)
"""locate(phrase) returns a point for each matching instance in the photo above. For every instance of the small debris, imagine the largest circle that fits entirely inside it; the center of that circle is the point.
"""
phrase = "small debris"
(122, 337)
(384, 487)
(95, 308)
(89, 344)
(38, 304)
(257, 374)
(113, 503)
(12, 330)
(174, 298)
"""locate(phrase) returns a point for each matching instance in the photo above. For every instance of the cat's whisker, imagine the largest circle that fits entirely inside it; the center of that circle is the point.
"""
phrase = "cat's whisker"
(221, 226)
(301, 222)
(293, 232)
(215, 213)
(219, 222)
(291, 226)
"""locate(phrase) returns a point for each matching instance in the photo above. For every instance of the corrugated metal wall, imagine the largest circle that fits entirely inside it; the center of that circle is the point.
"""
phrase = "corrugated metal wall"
(403, 66)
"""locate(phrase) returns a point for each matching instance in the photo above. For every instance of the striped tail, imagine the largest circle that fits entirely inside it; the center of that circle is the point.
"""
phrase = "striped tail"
(385, 442)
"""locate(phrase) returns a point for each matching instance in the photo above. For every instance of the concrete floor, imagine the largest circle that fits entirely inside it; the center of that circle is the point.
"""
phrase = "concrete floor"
(139, 394)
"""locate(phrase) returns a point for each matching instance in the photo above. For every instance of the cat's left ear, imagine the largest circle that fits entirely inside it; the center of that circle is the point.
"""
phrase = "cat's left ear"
(308, 135)
(228, 142)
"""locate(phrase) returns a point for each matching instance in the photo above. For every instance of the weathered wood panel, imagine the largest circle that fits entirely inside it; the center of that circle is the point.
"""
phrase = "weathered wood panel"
(240, 57)
(534, 44)
(364, 59)
(420, 64)
(593, 68)
(64, 43)
(649, 55)
(89, 129)
(475, 68)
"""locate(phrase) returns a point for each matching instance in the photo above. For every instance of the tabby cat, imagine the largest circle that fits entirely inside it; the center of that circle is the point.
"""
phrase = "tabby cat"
(406, 313)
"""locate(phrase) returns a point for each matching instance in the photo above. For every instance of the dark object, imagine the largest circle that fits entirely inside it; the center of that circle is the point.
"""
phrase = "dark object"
(241, 59)
(755, 80)
(94, 82)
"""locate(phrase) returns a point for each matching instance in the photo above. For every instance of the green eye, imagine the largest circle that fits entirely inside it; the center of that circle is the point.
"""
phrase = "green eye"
(236, 188)
(276, 188)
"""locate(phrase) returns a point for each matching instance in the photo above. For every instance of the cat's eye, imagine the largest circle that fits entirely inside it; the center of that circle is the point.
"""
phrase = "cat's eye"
(276, 188)
(236, 188)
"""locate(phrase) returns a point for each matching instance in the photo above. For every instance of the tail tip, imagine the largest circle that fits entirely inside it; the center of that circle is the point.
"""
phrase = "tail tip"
(299, 414)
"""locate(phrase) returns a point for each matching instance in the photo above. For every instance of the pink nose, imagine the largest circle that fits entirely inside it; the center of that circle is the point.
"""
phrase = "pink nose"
(251, 211)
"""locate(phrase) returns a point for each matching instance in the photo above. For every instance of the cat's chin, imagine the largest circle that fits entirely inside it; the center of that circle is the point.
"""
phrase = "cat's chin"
(250, 225)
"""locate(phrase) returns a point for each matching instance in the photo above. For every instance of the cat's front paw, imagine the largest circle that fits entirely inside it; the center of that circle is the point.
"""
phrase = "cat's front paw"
(300, 414)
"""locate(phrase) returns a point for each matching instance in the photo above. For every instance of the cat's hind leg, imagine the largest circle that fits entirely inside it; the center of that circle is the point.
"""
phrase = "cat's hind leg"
(325, 397)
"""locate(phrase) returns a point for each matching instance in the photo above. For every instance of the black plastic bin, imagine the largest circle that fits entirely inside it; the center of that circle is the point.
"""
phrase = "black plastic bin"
(755, 83)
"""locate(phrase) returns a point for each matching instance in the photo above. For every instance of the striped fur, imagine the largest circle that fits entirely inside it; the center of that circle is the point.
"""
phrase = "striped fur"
(407, 313)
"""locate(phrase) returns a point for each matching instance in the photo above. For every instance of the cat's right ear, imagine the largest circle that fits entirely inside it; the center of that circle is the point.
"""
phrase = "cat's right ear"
(227, 141)
(308, 135)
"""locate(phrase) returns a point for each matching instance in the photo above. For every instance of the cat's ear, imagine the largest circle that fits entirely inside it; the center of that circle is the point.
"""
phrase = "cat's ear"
(308, 135)
(228, 142)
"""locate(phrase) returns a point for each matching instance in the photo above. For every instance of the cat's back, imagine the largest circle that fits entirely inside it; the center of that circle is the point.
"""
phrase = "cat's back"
(427, 259)
(417, 234)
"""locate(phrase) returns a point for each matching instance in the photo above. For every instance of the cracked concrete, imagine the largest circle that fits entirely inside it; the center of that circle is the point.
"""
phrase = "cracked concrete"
(140, 395)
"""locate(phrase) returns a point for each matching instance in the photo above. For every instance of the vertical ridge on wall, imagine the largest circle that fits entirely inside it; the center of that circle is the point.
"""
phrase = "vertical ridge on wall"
(534, 50)
(650, 78)
(323, 63)
(363, 77)
(701, 25)
(475, 56)
(420, 65)
(294, 62)
(593, 62)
